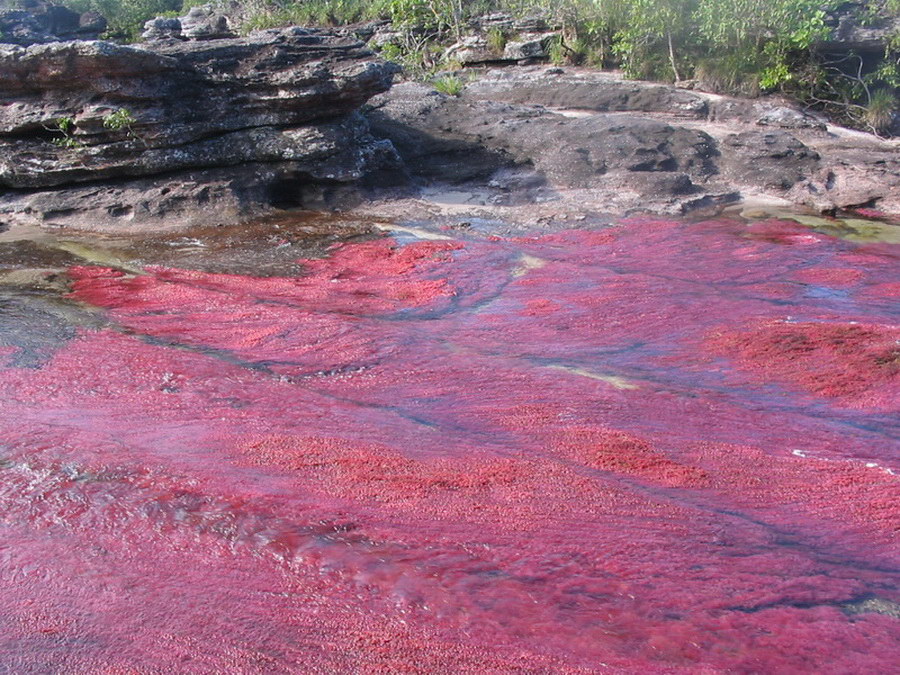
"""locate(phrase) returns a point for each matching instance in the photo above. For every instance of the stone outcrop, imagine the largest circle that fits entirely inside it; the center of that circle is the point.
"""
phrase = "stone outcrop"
(859, 27)
(275, 108)
(443, 138)
(38, 22)
(670, 149)
(521, 48)
(590, 91)
(203, 22)
(509, 24)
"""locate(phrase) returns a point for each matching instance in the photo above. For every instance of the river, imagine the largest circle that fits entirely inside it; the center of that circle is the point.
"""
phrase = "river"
(311, 445)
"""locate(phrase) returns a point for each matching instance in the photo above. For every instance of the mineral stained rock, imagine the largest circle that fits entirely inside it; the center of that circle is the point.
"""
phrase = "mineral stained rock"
(278, 106)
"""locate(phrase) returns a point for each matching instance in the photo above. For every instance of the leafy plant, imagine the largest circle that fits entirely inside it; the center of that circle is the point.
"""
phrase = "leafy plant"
(120, 119)
(65, 126)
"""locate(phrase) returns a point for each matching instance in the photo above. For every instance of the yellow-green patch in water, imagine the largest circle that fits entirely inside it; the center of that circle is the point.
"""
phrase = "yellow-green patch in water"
(526, 264)
(860, 230)
(612, 380)
(97, 256)
(46, 279)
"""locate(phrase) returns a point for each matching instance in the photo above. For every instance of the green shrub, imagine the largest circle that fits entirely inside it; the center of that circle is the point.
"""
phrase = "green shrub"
(65, 127)
(126, 18)
(452, 85)
(879, 113)
(496, 40)
(733, 74)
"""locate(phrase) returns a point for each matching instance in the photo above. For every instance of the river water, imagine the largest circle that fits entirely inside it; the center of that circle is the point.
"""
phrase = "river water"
(308, 446)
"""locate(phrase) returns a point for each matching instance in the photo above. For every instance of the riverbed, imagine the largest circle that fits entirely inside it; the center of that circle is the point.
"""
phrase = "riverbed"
(320, 443)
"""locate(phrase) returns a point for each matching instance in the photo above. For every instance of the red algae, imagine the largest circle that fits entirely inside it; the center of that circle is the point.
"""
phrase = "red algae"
(657, 447)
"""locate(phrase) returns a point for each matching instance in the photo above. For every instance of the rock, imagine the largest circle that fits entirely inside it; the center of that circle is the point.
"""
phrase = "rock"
(460, 139)
(471, 50)
(281, 101)
(205, 23)
(162, 28)
(90, 26)
(385, 36)
(508, 24)
(633, 146)
(769, 159)
(789, 118)
(601, 92)
(529, 46)
(38, 22)
(475, 50)
(200, 23)
(366, 31)
(859, 27)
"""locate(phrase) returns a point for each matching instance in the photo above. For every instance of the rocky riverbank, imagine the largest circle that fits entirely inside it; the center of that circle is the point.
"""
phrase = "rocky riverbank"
(542, 134)
(198, 127)
(182, 132)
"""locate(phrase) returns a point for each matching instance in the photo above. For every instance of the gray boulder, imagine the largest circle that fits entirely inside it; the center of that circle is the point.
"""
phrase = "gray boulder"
(471, 50)
(599, 92)
(458, 139)
(162, 28)
(789, 118)
(205, 23)
(774, 160)
(529, 46)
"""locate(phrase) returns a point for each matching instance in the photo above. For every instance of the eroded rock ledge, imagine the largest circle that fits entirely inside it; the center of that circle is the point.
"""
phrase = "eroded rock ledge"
(226, 130)
(537, 133)
(215, 129)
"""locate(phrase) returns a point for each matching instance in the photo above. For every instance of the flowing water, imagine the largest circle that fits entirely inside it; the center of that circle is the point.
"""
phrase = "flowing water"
(659, 446)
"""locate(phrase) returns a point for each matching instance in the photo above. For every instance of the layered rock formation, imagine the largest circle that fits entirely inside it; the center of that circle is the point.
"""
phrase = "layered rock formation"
(635, 146)
(182, 129)
(191, 128)
(36, 22)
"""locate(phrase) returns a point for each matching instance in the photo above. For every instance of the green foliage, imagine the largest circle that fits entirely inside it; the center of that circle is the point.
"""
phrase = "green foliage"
(120, 119)
(736, 24)
(652, 27)
(65, 127)
(879, 113)
(768, 32)
(557, 52)
(452, 85)
(734, 73)
(126, 17)
(437, 17)
(496, 40)
(568, 53)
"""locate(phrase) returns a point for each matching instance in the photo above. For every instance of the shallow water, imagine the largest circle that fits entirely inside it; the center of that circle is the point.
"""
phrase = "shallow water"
(312, 446)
